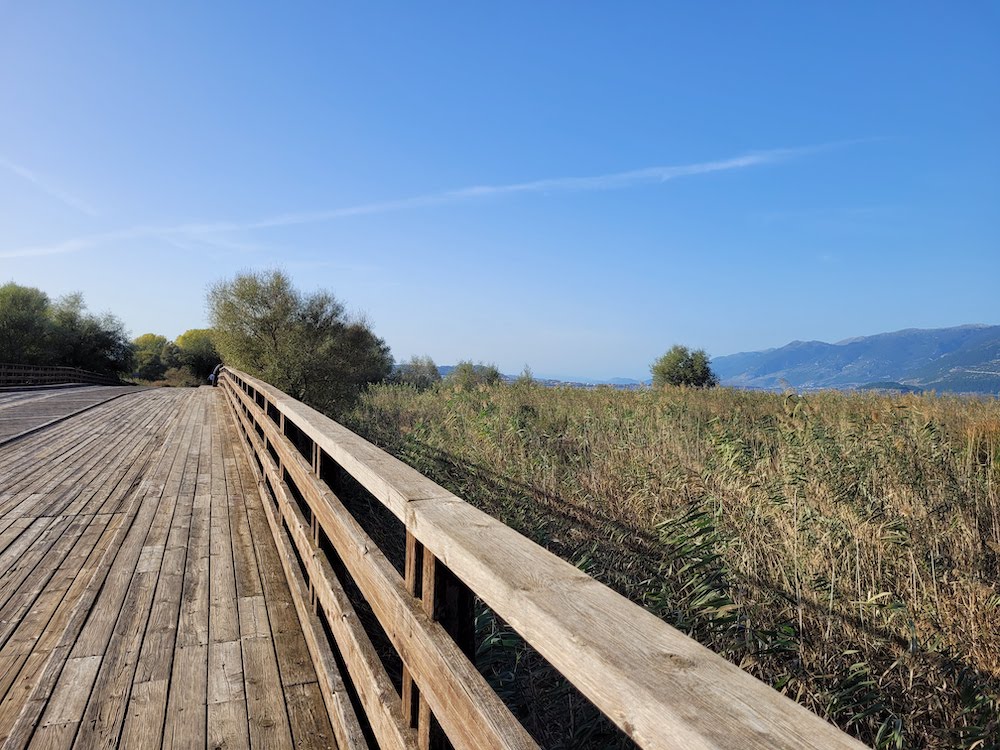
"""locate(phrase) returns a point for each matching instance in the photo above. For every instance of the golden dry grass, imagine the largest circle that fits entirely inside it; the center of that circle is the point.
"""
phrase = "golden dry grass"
(842, 547)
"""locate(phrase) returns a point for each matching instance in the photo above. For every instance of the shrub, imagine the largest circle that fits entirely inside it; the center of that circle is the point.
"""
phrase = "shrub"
(680, 366)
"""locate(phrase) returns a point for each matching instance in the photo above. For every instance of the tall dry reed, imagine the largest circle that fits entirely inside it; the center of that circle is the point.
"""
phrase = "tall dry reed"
(842, 547)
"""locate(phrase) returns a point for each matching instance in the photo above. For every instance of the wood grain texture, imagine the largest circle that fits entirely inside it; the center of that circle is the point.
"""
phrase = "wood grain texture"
(125, 543)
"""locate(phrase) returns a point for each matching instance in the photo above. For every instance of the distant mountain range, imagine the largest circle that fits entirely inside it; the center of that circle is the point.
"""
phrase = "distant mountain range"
(965, 359)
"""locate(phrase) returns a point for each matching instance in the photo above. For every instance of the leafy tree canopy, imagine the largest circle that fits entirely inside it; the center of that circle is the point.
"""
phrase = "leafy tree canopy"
(420, 372)
(680, 366)
(302, 344)
(24, 325)
(150, 361)
(197, 352)
(35, 330)
(467, 376)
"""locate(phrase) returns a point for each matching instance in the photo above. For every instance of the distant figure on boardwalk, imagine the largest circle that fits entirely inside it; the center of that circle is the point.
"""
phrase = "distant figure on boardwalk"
(214, 377)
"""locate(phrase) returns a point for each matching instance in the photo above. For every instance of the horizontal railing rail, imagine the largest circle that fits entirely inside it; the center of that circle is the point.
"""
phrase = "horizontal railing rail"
(17, 374)
(663, 689)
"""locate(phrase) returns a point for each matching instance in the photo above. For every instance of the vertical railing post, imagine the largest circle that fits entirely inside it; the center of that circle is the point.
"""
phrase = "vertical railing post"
(412, 574)
(450, 602)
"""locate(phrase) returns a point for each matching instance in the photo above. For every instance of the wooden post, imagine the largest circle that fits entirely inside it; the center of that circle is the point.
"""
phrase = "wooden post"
(413, 578)
(450, 602)
(426, 737)
(313, 598)
(446, 599)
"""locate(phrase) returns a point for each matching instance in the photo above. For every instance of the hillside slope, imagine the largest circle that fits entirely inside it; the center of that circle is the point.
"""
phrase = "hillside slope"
(961, 359)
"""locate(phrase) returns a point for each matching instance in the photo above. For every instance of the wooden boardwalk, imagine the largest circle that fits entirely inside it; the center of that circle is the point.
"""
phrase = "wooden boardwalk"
(23, 411)
(142, 599)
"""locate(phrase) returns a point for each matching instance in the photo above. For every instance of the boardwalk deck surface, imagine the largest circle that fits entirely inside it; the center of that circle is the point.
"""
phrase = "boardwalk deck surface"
(27, 410)
(142, 601)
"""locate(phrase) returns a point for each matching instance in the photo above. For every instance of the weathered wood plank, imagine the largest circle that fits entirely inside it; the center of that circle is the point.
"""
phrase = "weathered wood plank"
(76, 583)
(106, 709)
(265, 706)
(227, 704)
(187, 707)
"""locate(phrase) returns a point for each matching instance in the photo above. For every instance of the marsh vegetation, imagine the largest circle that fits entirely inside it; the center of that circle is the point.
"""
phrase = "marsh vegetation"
(844, 548)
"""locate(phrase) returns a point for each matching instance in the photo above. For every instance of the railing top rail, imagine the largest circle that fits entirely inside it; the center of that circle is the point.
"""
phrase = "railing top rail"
(661, 687)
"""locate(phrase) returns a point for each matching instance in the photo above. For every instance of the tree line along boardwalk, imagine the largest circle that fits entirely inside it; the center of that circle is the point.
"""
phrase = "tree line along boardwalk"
(178, 568)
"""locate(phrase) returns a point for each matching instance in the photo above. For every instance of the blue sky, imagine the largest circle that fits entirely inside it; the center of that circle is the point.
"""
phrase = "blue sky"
(575, 186)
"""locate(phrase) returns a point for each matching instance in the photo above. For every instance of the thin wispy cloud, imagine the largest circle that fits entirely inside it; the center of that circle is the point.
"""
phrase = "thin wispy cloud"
(613, 181)
(45, 186)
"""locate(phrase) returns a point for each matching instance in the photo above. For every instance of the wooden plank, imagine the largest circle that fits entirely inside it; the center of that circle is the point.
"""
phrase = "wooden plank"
(145, 717)
(227, 705)
(192, 627)
(148, 699)
(74, 609)
(187, 708)
(265, 705)
(412, 569)
(227, 725)
(223, 617)
(310, 722)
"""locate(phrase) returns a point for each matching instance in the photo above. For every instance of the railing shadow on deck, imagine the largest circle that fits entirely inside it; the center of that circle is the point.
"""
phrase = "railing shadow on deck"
(661, 688)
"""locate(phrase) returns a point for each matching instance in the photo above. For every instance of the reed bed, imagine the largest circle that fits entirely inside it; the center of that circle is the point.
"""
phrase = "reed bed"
(844, 548)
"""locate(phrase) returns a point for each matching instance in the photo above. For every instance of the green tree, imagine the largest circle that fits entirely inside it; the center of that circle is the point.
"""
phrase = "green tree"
(466, 376)
(35, 330)
(420, 372)
(302, 344)
(680, 366)
(197, 352)
(527, 377)
(24, 325)
(149, 356)
(77, 338)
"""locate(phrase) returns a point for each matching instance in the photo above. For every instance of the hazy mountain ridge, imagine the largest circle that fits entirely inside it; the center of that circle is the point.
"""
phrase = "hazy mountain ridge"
(960, 359)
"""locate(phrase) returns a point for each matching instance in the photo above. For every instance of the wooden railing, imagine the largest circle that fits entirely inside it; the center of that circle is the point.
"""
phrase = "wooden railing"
(662, 689)
(15, 375)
